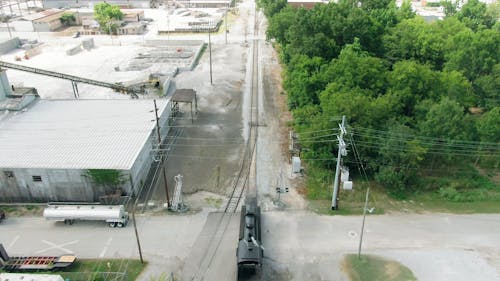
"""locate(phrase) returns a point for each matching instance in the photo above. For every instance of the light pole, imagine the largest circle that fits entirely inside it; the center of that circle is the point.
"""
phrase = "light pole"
(363, 224)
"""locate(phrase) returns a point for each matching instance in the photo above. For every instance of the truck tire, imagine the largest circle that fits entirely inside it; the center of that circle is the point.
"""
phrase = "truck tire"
(120, 224)
(112, 224)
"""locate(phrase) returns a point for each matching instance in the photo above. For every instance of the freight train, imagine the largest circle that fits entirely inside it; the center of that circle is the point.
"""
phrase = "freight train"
(250, 251)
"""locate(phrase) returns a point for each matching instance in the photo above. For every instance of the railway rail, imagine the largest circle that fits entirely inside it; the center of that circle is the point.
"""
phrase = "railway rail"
(242, 182)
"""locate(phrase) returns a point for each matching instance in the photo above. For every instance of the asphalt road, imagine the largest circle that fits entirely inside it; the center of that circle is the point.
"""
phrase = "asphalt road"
(298, 245)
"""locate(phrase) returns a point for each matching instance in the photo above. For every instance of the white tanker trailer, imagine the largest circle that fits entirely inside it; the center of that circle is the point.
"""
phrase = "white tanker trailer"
(114, 215)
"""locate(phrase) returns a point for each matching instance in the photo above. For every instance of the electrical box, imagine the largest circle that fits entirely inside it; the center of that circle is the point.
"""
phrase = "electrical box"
(347, 185)
(296, 167)
(344, 174)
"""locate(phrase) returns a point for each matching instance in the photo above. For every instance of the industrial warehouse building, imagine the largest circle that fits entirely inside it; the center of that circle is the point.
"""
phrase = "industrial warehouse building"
(48, 147)
(44, 21)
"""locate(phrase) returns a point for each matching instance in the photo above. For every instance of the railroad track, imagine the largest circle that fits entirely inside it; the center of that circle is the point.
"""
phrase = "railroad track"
(247, 165)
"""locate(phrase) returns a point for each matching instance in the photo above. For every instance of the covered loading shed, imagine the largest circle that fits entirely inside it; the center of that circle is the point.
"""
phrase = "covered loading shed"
(184, 96)
(48, 149)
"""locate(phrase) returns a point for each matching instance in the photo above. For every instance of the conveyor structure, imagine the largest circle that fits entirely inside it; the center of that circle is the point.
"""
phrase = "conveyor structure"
(74, 79)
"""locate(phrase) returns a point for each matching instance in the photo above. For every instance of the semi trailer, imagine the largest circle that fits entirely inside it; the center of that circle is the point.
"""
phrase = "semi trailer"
(34, 263)
(114, 215)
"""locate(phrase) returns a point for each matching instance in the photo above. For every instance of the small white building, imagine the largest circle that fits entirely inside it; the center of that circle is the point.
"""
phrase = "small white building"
(131, 28)
(47, 148)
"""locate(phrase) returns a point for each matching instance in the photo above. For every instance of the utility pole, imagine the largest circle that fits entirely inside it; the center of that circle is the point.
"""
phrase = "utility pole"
(225, 20)
(8, 28)
(136, 233)
(161, 158)
(341, 152)
(363, 224)
(210, 51)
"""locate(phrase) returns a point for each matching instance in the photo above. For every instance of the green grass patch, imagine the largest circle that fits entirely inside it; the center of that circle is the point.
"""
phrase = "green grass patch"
(103, 269)
(352, 203)
(22, 210)
(318, 182)
(461, 189)
(373, 268)
(431, 203)
(214, 202)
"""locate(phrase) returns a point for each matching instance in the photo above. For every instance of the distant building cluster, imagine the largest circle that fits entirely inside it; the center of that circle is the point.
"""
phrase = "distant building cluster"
(90, 3)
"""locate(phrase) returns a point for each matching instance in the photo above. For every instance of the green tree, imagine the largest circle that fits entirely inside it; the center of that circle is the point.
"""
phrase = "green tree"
(400, 156)
(386, 69)
(412, 82)
(272, 7)
(304, 80)
(355, 68)
(107, 16)
(450, 7)
(418, 40)
(457, 87)
(405, 11)
(445, 120)
(488, 126)
(68, 19)
(106, 177)
(474, 15)
(309, 34)
(474, 54)
(280, 24)
(487, 86)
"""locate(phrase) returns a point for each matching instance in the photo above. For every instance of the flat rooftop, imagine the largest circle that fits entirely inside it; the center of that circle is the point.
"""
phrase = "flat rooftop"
(77, 134)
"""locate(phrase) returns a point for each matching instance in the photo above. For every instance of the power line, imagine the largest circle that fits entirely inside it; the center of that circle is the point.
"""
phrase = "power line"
(358, 128)
(437, 142)
(325, 130)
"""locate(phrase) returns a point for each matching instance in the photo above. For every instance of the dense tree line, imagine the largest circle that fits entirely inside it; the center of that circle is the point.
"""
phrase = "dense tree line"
(416, 94)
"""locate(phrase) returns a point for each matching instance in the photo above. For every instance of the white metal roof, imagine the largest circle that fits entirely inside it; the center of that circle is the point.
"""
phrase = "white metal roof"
(77, 134)
(29, 277)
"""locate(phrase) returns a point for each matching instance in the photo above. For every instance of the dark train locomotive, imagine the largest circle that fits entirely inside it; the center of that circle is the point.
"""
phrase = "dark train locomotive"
(250, 252)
